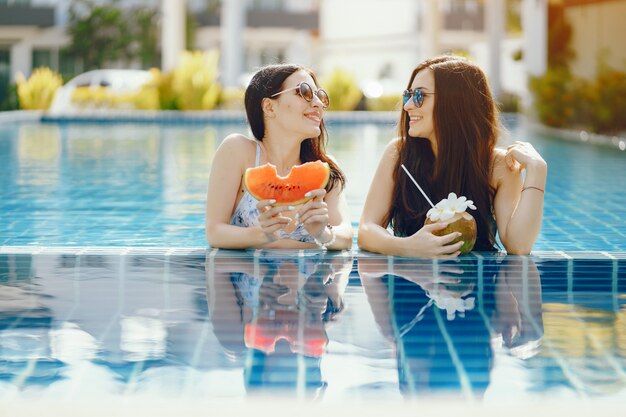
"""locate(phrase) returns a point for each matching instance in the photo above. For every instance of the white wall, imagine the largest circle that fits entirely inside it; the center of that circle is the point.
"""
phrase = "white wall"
(513, 73)
(365, 36)
(30, 38)
(597, 28)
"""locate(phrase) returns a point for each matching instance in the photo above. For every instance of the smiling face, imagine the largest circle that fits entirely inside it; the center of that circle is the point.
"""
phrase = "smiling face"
(421, 124)
(294, 113)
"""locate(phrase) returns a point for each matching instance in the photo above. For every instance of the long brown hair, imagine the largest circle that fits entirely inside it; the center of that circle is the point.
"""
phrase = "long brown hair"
(466, 127)
(268, 81)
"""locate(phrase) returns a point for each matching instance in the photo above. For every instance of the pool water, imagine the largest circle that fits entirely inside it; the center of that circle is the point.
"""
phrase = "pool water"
(149, 323)
(108, 290)
(142, 184)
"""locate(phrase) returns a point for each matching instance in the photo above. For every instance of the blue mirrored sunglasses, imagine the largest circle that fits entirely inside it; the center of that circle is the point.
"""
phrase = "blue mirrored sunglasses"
(418, 96)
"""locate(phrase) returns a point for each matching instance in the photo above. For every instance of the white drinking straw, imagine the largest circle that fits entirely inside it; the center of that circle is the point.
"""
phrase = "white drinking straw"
(417, 185)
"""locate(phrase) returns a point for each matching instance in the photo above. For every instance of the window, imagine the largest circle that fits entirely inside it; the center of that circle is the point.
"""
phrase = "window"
(43, 58)
(69, 64)
(5, 72)
(14, 2)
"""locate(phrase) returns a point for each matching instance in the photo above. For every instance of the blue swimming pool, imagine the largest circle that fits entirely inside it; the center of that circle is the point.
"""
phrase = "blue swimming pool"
(191, 324)
(108, 291)
(144, 184)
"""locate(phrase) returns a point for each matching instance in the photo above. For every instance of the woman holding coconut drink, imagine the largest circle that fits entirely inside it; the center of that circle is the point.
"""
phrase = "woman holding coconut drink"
(448, 131)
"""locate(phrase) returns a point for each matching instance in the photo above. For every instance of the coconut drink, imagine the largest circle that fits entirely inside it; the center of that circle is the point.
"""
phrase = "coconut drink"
(453, 210)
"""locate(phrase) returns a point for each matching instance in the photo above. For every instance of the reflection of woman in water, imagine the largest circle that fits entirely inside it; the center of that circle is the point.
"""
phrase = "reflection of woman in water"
(272, 309)
(443, 317)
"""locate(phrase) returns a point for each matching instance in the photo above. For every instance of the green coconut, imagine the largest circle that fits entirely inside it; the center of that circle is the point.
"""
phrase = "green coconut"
(463, 223)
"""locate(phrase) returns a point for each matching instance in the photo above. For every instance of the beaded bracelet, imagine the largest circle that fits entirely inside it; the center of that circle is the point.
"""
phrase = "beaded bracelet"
(332, 237)
(536, 188)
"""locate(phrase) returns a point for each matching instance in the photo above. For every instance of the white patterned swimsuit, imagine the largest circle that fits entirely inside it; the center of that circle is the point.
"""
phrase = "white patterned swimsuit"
(246, 214)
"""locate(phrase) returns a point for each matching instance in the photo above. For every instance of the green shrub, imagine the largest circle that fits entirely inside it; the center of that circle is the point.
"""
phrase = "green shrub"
(509, 102)
(163, 83)
(37, 92)
(390, 102)
(554, 94)
(343, 90)
(194, 81)
(232, 99)
(563, 100)
(11, 100)
(609, 101)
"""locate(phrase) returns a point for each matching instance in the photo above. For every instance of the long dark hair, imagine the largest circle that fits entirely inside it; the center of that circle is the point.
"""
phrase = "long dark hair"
(466, 127)
(268, 81)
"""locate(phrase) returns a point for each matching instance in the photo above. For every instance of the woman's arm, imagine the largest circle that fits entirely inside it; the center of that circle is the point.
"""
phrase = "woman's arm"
(518, 305)
(231, 158)
(228, 318)
(339, 218)
(328, 209)
(371, 273)
(373, 235)
(518, 203)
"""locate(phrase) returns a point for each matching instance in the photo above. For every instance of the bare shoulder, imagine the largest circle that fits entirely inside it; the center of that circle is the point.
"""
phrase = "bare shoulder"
(237, 147)
(237, 142)
(500, 171)
(498, 158)
(392, 149)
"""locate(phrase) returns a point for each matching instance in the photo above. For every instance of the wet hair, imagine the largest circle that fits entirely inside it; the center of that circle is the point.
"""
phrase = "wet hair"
(268, 81)
(466, 126)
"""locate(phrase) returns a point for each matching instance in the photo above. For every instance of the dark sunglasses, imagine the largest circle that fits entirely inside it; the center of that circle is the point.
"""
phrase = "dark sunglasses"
(418, 96)
(306, 92)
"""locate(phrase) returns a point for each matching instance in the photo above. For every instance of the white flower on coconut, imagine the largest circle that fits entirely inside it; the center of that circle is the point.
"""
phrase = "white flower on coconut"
(448, 207)
(453, 305)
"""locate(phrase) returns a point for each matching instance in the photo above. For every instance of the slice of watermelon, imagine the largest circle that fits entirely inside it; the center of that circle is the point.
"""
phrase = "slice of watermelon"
(264, 183)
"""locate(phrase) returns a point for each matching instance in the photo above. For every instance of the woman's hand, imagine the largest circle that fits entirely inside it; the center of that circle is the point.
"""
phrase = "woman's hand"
(314, 214)
(522, 155)
(428, 274)
(270, 218)
(425, 244)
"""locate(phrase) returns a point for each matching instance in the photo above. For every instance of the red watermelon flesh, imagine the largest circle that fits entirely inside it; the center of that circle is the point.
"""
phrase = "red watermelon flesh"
(264, 183)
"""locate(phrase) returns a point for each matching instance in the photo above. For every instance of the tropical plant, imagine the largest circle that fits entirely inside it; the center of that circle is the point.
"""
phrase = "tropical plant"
(37, 92)
(108, 32)
(11, 100)
(560, 52)
(343, 90)
(608, 102)
(146, 98)
(99, 33)
(390, 102)
(194, 80)
(146, 36)
(554, 94)
(599, 104)
(232, 98)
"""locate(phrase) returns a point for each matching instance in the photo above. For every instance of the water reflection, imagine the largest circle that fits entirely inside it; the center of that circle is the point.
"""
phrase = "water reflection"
(96, 324)
(99, 322)
(271, 311)
(445, 319)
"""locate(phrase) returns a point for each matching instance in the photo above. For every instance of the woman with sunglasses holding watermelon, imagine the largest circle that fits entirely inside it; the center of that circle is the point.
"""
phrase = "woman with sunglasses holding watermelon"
(448, 130)
(285, 110)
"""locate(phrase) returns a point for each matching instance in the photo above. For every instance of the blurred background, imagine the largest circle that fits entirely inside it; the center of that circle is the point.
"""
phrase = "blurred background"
(561, 61)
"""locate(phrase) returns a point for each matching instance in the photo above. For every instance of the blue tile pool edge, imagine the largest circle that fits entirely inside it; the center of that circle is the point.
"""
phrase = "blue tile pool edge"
(201, 250)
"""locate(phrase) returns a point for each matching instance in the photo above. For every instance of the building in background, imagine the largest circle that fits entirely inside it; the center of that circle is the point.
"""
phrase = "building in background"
(271, 31)
(29, 37)
(598, 34)
(378, 41)
(381, 42)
